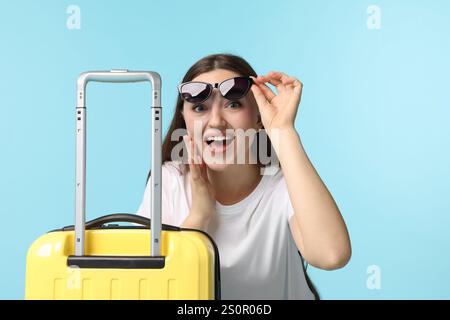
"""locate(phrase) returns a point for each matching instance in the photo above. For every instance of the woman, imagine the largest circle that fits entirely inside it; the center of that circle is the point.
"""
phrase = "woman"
(260, 219)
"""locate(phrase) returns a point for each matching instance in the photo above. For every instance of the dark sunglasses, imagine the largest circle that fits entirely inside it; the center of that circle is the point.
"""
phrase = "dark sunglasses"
(231, 89)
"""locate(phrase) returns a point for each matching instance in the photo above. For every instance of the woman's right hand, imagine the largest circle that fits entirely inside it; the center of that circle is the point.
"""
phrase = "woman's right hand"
(203, 197)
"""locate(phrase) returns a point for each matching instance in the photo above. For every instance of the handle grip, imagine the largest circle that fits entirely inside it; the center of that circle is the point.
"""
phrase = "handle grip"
(117, 217)
(119, 76)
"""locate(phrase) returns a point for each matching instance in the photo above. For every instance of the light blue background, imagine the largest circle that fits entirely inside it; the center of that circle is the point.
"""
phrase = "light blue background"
(373, 118)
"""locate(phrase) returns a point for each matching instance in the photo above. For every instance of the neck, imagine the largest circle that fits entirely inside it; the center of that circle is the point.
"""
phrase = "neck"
(234, 183)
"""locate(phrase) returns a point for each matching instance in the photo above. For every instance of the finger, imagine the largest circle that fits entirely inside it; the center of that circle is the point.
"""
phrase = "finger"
(200, 164)
(281, 77)
(199, 151)
(196, 152)
(267, 92)
(188, 146)
(192, 166)
(192, 147)
(298, 86)
(259, 96)
(291, 84)
(271, 75)
(196, 172)
(275, 82)
(281, 87)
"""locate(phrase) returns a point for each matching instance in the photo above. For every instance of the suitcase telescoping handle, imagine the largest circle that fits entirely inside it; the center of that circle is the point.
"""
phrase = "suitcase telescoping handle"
(155, 179)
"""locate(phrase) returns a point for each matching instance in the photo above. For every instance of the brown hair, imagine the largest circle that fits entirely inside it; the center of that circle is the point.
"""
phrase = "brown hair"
(209, 63)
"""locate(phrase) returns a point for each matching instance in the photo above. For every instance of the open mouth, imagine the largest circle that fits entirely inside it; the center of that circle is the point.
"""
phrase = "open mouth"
(219, 143)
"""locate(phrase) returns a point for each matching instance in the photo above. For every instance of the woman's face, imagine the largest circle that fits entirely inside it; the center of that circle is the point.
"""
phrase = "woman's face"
(218, 117)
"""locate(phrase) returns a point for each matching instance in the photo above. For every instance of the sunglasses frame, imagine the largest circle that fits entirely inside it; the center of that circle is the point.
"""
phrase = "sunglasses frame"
(214, 85)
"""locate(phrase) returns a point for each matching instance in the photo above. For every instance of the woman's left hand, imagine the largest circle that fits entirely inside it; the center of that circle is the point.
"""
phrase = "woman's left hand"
(277, 111)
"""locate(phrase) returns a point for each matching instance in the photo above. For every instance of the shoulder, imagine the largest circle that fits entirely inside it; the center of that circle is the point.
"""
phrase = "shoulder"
(173, 174)
(175, 168)
(280, 193)
(275, 178)
(276, 185)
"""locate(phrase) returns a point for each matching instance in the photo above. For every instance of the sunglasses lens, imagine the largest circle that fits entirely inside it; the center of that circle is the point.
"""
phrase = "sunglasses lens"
(235, 88)
(195, 92)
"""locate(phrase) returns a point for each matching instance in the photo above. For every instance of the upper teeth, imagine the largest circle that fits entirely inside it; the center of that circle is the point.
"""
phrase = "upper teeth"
(221, 138)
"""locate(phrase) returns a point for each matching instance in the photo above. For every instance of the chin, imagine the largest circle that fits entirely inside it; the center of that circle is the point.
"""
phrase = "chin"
(218, 162)
(217, 166)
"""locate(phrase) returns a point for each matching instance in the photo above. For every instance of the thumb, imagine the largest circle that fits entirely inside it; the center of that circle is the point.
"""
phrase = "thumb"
(259, 96)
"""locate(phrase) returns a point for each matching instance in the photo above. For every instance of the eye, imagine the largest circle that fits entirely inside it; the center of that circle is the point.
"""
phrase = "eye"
(198, 108)
(234, 105)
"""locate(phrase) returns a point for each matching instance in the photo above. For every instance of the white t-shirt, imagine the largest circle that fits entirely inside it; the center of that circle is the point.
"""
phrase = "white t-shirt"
(258, 256)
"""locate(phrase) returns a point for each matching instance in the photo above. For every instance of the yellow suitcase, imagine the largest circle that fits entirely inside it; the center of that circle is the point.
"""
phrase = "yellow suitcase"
(97, 260)
(117, 264)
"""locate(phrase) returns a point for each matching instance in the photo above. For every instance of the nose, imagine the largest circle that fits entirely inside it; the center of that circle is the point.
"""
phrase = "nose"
(216, 119)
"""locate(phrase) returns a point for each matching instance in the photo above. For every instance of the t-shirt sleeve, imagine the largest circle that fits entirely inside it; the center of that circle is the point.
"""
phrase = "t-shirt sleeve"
(167, 183)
